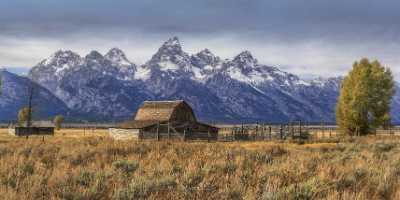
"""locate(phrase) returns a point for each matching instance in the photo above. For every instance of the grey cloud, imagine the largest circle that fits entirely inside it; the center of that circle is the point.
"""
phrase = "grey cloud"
(300, 35)
(297, 17)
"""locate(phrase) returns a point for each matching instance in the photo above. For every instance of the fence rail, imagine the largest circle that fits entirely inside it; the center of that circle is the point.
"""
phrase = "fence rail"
(261, 132)
(256, 132)
(76, 125)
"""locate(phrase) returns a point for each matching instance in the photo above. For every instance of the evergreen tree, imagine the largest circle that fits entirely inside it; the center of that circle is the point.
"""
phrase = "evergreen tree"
(365, 98)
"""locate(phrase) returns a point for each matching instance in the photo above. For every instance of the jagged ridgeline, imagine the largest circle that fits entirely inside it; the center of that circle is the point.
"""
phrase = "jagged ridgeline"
(110, 87)
(15, 95)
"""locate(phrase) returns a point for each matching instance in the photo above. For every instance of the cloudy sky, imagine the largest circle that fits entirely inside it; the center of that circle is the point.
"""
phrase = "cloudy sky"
(320, 37)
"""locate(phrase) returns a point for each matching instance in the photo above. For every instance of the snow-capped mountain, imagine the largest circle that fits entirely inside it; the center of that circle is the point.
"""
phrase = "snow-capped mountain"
(94, 85)
(51, 70)
(170, 60)
(15, 95)
(231, 90)
(245, 68)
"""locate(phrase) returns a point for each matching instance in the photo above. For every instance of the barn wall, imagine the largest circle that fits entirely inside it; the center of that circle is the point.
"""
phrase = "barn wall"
(11, 131)
(194, 132)
(151, 133)
(203, 132)
(183, 113)
(25, 131)
(124, 134)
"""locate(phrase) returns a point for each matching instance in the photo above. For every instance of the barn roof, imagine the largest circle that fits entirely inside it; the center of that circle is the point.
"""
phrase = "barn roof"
(144, 124)
(47, 124)
(138, 124)
(157, 110)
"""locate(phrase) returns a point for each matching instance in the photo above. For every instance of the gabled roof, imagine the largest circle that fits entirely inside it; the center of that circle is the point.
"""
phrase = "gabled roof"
(157, 110)
(38, 124)
(138, 124)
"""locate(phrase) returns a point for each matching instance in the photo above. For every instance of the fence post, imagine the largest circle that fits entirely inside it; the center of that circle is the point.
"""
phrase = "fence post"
(291, 127)
(158, 131)
(255, 137)
(235, 132)
(263, 131)
(300, 128)
(357, 131)
(169, 133)
(232, 133)
(208, 135)
(270, 132)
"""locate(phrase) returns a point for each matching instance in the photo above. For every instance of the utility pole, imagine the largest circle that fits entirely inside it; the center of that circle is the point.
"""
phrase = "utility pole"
(29, 120)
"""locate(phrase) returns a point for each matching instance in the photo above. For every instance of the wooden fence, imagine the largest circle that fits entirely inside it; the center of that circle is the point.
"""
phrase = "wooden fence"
(255, 132)
(261, 132)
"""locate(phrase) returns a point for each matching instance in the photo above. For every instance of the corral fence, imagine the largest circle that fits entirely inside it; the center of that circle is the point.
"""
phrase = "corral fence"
(293, 130)
(260, 132)
(254, 132)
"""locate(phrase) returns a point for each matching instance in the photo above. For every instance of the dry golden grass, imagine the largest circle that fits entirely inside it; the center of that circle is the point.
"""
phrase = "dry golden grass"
(71, 165)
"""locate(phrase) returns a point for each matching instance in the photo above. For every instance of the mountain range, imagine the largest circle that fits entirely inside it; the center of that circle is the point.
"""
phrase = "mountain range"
(110, 87)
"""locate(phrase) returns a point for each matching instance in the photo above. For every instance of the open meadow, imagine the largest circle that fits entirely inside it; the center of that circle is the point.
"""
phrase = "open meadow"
(90, 165)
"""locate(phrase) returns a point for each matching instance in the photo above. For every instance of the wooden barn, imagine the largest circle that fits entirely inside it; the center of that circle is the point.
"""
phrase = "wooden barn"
(36, 128)
(160, 120)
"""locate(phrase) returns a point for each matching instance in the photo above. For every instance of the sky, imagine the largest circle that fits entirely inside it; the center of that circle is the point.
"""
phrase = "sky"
(305, 37)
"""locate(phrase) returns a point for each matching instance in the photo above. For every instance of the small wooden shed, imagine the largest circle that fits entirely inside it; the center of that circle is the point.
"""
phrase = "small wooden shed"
(165, 120)
(36, 128)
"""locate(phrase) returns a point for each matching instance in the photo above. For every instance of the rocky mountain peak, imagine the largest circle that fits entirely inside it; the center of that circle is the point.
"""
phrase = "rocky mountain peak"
(205, 58)
(244, 63)
(94, 55)
(64, 54)
(245, 58)
(61, 58)
(170, 57)
(239, 88)
(115, 53)
(117, 57)
(171, 47)
(172, 42)
(206, 52)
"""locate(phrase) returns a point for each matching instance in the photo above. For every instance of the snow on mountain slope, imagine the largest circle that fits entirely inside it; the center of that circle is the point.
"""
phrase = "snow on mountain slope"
(231, 90)
(96, 84)
(51, 70)
(239, 89)
(171, 57)
(245, 68)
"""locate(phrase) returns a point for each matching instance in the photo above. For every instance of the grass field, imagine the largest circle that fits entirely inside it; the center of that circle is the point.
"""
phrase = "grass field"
(73, 165)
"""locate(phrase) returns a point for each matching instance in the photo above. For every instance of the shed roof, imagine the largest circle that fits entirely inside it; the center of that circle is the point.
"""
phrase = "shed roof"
(38, 124)
(144, 124)
(157, 110)
(138, 124)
